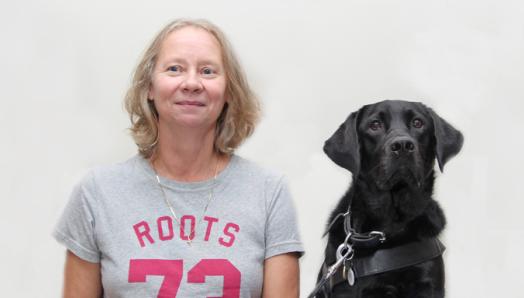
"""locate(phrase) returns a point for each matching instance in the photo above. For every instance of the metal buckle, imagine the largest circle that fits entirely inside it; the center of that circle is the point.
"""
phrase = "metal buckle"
(381, 234)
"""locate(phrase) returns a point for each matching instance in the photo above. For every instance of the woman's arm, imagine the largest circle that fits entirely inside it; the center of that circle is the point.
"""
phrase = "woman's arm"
(281, 276)
(82, 279)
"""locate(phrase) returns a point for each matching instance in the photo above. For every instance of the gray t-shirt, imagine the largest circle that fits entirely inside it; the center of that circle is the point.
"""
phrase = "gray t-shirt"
(117, 217)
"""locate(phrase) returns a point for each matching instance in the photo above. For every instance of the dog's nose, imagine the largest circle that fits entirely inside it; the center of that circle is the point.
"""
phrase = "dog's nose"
(402, 145)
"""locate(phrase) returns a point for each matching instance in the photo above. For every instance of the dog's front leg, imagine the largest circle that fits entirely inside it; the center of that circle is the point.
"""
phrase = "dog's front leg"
(383, 291)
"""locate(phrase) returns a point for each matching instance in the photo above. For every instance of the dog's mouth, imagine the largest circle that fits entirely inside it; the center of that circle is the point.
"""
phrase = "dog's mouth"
(401, 178)
(399, 186)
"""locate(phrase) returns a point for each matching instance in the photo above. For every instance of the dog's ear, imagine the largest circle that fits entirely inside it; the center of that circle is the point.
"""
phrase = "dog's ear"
(448, 140)
(343, 146)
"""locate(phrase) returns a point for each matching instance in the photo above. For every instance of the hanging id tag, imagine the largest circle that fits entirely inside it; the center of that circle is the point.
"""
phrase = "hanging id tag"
(350, 276)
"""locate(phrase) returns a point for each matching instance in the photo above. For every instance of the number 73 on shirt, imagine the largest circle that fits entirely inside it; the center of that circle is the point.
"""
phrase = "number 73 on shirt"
(173, 271)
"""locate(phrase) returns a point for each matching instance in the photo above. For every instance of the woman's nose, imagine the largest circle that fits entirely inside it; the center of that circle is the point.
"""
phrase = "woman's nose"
(192, 83)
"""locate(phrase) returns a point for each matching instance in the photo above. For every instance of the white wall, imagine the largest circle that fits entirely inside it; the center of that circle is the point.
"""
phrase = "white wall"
(66, 66)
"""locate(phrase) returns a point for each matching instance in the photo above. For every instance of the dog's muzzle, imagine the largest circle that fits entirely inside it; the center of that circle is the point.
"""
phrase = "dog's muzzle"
(401, 146)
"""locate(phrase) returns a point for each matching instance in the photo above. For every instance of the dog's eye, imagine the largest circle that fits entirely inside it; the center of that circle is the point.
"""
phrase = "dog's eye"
(417, 123)
(375, 125)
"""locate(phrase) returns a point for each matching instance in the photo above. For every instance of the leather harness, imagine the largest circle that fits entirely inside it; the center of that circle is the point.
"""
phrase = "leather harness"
(369, 258)
(389, 259)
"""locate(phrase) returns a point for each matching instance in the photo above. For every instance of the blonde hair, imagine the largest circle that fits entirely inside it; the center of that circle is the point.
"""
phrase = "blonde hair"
(238, 117)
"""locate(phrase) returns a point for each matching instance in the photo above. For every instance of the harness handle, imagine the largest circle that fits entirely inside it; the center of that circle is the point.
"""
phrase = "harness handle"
(344, 253)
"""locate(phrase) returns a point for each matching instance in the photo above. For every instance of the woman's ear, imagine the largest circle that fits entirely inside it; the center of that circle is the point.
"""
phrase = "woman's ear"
(150, 93)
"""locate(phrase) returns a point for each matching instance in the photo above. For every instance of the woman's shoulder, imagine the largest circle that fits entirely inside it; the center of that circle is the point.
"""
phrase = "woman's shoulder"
(113, 173)
(261, 172)
(260, 178)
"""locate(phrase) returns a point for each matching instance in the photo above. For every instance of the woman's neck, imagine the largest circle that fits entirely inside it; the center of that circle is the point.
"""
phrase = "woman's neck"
(186, 155)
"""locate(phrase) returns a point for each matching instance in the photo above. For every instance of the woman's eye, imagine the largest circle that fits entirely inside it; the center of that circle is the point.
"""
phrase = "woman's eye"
(417, 123)
(208, 71)
(375, 125)
(174, 68)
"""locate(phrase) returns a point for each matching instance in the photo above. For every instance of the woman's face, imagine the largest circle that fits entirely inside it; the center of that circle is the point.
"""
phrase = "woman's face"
(188, 83)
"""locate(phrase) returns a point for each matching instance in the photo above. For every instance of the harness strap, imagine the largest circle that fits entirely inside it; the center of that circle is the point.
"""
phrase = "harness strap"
(369, 240)
(389, 259)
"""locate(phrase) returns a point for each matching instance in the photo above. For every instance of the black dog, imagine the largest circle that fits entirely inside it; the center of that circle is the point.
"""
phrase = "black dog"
(390, 148)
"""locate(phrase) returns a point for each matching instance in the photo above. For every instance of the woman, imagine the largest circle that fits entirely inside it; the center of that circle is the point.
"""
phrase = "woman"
(186, 217)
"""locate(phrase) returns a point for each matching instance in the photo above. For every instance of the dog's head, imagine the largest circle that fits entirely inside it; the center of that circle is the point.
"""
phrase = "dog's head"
(394, 142)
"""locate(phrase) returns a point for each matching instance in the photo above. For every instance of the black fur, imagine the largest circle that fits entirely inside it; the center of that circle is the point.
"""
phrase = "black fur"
(392, 161)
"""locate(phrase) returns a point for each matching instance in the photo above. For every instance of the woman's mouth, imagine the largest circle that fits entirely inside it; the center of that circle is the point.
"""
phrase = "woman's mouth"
(190, 103)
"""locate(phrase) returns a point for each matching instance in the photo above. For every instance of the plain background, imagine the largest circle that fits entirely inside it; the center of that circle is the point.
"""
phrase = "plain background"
(66, 66)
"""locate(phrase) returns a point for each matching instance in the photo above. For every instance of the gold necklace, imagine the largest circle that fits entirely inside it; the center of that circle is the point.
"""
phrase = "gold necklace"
(210, 197)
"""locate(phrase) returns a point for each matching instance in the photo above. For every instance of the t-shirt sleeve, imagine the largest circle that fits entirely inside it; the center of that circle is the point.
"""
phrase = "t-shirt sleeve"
(282, 234)
(76, 227)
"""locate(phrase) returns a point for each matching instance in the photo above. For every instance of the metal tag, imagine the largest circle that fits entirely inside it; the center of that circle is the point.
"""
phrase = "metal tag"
(350, 276)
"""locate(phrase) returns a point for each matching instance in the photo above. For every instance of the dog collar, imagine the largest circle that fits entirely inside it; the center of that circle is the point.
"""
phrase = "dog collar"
(358, 240)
